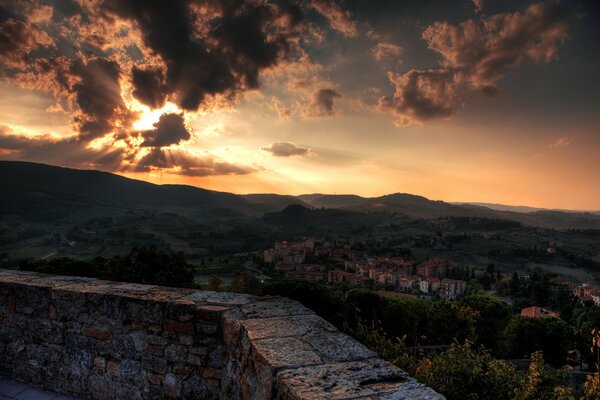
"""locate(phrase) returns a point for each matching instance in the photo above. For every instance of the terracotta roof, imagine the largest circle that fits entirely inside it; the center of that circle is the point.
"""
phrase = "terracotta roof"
(537, 312)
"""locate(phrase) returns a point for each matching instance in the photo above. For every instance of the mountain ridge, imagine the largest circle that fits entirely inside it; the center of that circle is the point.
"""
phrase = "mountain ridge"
(26, 185)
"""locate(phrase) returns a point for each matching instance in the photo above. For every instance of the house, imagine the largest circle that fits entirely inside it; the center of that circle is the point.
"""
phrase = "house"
(430, 285)
(452, 288)
(435, 268)
(314, 276)
(538, 312)
(409, 282)
(338, 276)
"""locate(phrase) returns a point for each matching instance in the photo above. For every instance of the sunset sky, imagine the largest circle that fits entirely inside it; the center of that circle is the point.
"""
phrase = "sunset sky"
(464, 100)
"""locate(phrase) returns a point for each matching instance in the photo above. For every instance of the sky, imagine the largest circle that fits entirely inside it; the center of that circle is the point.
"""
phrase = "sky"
(465, 100)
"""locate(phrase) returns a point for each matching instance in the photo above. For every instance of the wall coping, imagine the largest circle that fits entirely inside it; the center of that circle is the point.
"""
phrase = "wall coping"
(292, 352)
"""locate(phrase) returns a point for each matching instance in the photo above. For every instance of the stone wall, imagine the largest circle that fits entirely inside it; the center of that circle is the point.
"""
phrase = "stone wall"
(108, 340)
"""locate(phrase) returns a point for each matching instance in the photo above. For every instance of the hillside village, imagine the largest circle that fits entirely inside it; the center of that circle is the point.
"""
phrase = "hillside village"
(337, 263)
(306, 260)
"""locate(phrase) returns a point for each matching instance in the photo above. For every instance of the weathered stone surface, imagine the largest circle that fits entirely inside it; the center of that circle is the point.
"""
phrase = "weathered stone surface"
(289, 352)
(260, 328)
(350, 380)
(108, 340)
(274, 308)
(338, 347)
(218, 298)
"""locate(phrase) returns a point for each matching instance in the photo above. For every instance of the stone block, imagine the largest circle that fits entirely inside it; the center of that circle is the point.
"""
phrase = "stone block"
(260, 328)
(287, 352)
(176, 353)
(336, 346)
(278, 307)
(219, 298)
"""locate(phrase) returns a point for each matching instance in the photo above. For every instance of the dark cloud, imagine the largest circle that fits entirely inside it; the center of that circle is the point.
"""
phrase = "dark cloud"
(73, 152)
(170, 129)
(186, 164)
(322, 103)
(482, 51)
(218, 52)
(149, 86)
(97, 92)
(70, 152)
(286, 149)
(17, 40)
(419, 96)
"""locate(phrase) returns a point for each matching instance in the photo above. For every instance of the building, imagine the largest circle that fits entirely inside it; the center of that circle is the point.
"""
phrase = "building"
(430, 285)
(314, 276)
(435, 268)
(452, 288)
(538, 312)
(338, 276)
(409, 283)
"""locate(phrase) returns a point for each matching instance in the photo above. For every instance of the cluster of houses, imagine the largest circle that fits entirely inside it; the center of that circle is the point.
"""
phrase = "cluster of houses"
(587, 293)
(303, 260)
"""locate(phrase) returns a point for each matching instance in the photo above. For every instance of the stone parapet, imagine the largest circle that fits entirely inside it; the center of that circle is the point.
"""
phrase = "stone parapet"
(110, 340)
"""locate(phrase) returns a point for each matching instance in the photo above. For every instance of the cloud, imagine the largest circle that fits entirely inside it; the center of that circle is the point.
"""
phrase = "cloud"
(17, 40)
(170, 129)
(385, 50)
(561, 142)
(212, 47)
(70, 152)
(76, 153)
(323, 102)
(339, 19)
(149, 86)
(183, 163)
(98, 95)
(483, 51)
(286, 149)
(419, 96)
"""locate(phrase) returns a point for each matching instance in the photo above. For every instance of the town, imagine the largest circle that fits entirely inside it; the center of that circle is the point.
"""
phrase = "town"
(336, 263)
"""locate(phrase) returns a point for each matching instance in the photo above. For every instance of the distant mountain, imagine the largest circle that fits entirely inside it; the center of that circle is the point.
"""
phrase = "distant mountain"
(504, 207)
(318, 200)
(30, 187)
(48, 193)
(421, 207)
(274, 202)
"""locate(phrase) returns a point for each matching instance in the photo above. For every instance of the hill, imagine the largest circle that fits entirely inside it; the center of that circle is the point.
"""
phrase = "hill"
(38, 190)
(47, 193)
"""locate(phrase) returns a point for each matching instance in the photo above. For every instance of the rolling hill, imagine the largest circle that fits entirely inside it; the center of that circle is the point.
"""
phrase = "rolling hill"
(44, 192)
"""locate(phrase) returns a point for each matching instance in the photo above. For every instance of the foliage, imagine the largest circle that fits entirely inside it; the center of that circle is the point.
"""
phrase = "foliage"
(146, 265)
(491, 321)
(326, 302)
(448, 321)
(543, 382)
(553, 336)
(463, 372)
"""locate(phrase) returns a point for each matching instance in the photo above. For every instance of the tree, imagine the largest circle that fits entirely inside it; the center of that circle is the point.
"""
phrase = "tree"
(493, 317)
(553, 336)
(448, 321)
